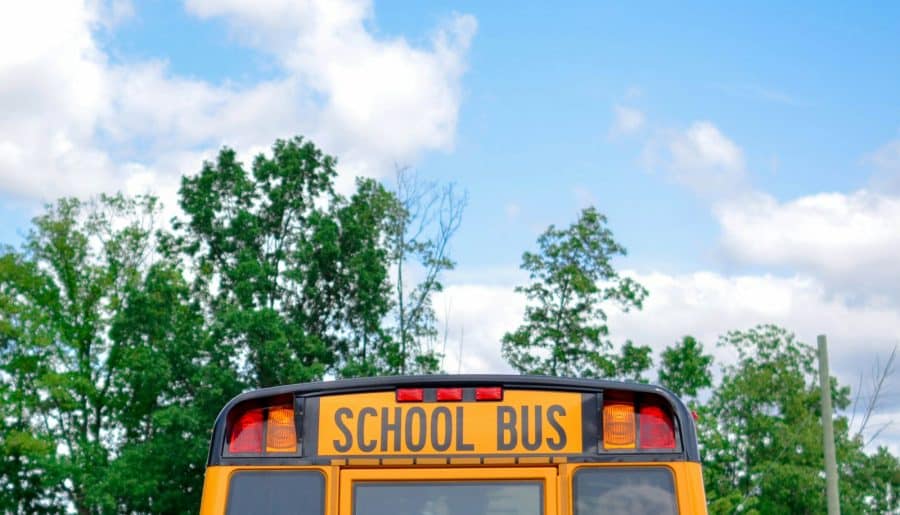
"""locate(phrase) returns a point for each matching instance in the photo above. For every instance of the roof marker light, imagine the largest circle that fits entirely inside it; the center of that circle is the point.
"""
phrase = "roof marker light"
(410, 394)
(449, 394)
(489, 393)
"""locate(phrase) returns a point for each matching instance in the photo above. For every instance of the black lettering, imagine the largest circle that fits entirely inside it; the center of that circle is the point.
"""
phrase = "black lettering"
(417, 445)
(535, 444)
(387, 426)
(461, 444)
(340, 414)
(441, 444)
(506, 426)
(560, 442)
(360, 428)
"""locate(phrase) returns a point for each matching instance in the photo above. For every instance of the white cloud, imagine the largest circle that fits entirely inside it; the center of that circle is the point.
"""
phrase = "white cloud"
(382, 96)
(628, 120)
(850, 241)
(700, 157)
(74, 124)
(479, 315)
(702, 304)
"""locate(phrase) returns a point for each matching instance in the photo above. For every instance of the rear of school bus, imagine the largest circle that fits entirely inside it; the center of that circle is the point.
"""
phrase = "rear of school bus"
(455, 445)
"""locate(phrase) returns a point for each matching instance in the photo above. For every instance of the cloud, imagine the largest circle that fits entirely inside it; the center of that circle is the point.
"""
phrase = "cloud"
(76, 124)
(699, 157)
(628, 121)
(477, 317)
(704, 304)
(850, 241)
(379, 97)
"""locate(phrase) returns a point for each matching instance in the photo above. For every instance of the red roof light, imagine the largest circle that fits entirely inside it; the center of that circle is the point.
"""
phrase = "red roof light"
(449, 394)
(489, 393)
(410, 394)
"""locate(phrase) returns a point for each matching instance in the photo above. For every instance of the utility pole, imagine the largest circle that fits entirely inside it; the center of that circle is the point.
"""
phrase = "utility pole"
(831, 476)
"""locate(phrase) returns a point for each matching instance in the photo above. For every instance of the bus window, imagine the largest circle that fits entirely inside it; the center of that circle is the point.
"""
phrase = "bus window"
(624, 491)
(272, 493)
(448, 498)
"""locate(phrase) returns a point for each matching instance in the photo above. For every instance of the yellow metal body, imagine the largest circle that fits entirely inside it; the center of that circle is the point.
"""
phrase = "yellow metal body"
(557, 478)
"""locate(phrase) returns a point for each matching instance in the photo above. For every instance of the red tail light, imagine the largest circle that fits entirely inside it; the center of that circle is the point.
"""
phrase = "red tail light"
(247, 433)
(449, 394)
(657, 429)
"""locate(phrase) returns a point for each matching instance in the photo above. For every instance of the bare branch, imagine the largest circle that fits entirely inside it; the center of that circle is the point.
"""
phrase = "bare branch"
(879, 377)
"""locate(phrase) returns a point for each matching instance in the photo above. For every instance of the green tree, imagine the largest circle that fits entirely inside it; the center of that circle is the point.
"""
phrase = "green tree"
(632, 361)
(761, 435)
(60, 296)
(29, 472)
(364, 242)
(572, 278)
(173, 381)
(293, 275)
(684, 368)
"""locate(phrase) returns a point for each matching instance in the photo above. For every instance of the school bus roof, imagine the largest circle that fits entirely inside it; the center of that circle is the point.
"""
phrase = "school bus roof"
(422, 418)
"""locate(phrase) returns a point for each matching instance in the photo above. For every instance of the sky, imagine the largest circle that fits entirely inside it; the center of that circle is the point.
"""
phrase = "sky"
(747, 157)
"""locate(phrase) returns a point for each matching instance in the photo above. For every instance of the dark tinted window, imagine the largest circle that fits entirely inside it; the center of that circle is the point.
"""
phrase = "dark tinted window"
(449, 498)
(626, 491)
(270, 493)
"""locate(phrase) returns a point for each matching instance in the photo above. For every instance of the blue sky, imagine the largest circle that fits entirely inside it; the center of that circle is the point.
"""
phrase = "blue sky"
(748, 157)
(806, 90)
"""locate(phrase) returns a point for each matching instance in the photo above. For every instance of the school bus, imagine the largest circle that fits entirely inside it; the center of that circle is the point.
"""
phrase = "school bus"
(455, 445)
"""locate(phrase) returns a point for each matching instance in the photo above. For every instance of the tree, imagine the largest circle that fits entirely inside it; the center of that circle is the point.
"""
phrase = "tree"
(61, 295)
(685, 369)
(761, 435)
(293, 275)
(572, 277)
(174, 379)
(422, 224)
(633, 361)
(365, 247)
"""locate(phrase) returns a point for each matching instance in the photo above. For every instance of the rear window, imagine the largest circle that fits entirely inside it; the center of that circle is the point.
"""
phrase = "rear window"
(270, 493)
(625, 491)
(449, 498)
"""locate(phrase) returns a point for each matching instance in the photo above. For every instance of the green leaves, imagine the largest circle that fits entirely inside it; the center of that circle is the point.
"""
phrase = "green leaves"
(572, 278)
(685, 369)
(762, 438)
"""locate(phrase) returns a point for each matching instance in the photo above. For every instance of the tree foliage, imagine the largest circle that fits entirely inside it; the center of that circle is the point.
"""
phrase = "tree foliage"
(762, 438)
(684, 368)
(99, 341)
(293, 275)
(572, 279)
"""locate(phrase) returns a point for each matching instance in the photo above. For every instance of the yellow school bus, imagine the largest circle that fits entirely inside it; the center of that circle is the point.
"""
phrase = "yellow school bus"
(455, 445)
